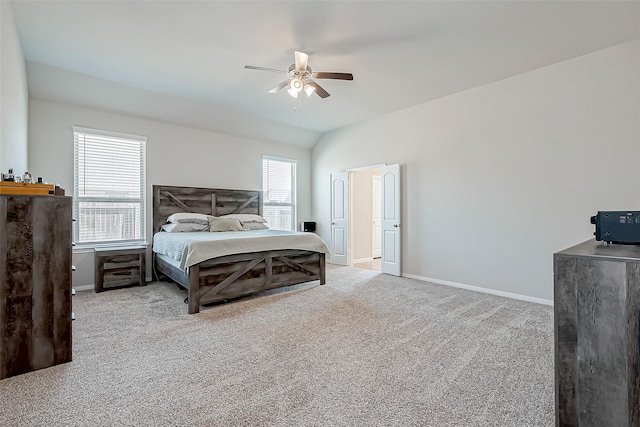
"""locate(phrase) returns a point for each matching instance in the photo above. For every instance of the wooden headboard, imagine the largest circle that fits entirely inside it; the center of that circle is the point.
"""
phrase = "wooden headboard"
(168, 200)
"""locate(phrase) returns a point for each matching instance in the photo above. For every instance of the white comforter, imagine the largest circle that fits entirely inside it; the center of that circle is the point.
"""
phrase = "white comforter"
(192, 248)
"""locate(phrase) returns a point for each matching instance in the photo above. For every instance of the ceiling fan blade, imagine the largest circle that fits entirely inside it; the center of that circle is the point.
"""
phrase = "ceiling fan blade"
(280, 86)
(301, 60)
(337, 76)
(251, 67)
(321, 92)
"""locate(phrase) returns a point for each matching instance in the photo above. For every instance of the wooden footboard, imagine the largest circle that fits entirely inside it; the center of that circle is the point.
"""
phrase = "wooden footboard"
(233, 276)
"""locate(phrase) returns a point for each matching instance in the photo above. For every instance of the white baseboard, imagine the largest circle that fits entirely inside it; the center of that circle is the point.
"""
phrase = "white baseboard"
(483, 290)
(361, 260)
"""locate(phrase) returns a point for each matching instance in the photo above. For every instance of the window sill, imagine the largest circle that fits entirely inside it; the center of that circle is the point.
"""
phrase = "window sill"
(80, 248)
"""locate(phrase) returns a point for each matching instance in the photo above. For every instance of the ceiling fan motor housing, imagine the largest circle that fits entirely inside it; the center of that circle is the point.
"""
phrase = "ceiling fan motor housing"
(302, 75)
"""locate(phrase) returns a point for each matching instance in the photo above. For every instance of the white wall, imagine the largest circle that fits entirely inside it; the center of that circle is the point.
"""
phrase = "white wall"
(175, 156)
(498, 178)
(14, 96)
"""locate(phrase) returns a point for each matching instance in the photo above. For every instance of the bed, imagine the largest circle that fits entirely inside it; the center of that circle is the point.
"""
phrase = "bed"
(228, 275)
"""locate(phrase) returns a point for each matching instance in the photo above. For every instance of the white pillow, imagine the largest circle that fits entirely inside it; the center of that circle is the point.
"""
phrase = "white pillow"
(195, 218)
(182, 227)
(245, 217)
(224, 224)
(254, 226)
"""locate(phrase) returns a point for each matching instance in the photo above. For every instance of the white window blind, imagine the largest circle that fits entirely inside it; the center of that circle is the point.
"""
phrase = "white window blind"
(109, 183)
(279, 188)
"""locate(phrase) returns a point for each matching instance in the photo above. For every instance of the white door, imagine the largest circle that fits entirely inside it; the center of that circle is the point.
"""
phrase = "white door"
(376, 236)
(339, 218)
(391, 214)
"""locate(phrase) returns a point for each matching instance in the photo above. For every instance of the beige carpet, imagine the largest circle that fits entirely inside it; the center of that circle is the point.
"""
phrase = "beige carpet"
(374, 264)
(365, 349)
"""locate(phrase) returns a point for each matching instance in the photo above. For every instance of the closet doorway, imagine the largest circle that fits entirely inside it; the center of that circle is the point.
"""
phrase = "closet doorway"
(365, 218)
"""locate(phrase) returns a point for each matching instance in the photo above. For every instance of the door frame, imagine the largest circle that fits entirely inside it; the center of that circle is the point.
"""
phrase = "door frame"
(350, 200)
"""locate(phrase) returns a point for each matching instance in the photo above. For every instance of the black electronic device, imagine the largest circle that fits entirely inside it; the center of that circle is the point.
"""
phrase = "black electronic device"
(309, 226)
(617, 226)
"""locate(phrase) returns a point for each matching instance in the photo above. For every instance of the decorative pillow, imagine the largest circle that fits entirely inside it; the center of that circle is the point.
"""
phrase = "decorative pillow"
(254, 226)
(245, 217)
(224, 224)
(182, 227)
(195, 218)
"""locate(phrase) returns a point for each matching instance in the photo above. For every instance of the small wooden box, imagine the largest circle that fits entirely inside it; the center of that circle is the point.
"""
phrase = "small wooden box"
(8, 187)
(116, 267)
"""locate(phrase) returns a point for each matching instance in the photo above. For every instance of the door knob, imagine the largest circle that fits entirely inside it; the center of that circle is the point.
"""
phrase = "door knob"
(396, 225)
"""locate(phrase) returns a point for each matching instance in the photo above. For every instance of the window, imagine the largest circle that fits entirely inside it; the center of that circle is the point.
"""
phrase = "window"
(279, 188)
(108, 191)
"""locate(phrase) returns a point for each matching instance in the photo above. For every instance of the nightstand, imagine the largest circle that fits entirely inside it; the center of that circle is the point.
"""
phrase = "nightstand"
(117, 267)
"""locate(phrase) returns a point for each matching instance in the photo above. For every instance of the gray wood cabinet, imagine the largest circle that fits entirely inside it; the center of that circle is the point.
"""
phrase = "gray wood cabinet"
(597, 313)
(35, 283)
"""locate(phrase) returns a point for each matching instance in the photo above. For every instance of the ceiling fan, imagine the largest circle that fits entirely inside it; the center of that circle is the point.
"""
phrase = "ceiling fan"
(301, 77)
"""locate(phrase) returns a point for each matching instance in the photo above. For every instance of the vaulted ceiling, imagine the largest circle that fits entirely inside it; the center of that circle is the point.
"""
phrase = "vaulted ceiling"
(183, 61)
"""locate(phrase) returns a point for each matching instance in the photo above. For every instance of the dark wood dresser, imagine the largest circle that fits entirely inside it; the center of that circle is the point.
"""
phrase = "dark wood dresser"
(35, 282)
(597, 335)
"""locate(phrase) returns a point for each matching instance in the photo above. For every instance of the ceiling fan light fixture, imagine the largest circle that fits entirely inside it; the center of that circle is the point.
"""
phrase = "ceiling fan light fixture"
(308, 89)
(293, 93)
(296, 85)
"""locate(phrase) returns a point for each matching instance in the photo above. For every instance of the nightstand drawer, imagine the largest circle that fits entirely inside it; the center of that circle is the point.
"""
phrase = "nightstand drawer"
(116, 267)
(115, 262)
(114, 277)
